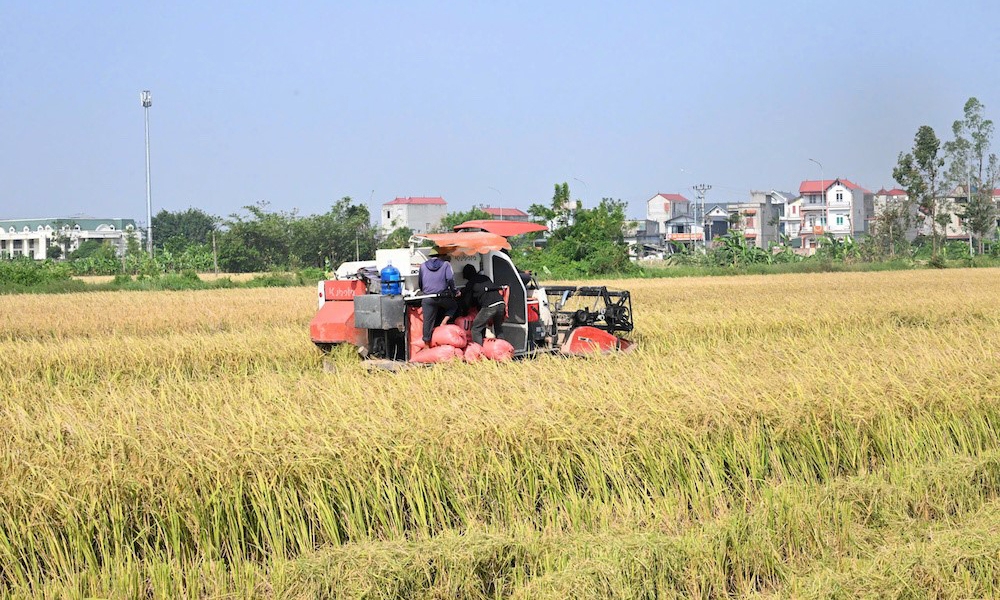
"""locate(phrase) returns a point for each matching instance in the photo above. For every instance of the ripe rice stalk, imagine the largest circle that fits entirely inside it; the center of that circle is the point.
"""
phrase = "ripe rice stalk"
(773, 435)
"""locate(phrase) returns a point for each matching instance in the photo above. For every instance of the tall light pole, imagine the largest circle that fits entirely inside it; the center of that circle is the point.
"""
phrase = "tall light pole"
(500, 207)
(147, 100)
(822, 191)
(371, 217)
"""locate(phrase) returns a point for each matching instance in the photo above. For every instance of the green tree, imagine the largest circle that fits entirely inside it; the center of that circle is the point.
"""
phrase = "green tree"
(586, 241)
(261, 240)
(888, 228)
(835, 248)
(452, 219)
(735, 250)
(399, 238)
(341, 234)
(919, 173)
(178, 230)
(95, 257)
(257, 241)
(973, 167)
(560, 213)
(86, 249)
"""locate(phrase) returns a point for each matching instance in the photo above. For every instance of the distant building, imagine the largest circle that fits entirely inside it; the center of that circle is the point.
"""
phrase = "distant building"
(506, 214)
(836, 206)
(765, 217)
(683, 230)
(664, 207)
(421, 214)
(716, 220)
(643, 238)
(886, 201)
(790, 225)
(32, 238)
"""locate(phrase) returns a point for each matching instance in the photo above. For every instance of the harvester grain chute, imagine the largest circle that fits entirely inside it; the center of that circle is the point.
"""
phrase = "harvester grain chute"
(384, 321)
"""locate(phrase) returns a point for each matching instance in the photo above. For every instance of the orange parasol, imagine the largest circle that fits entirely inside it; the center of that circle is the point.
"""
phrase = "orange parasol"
(467, 243)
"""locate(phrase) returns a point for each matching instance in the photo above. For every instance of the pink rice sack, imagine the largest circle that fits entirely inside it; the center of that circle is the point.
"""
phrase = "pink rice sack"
(437, 354)
(497, 349)
(448, 335)
(473, 352)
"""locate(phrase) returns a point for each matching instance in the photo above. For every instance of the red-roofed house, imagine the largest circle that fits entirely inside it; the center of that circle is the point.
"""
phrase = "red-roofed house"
(836, 206)
(506, 214)
(672, 214)
(421, 214)
(663, 207)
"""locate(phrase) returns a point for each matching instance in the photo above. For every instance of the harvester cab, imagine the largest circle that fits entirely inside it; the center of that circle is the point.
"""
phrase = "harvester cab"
(376, 305)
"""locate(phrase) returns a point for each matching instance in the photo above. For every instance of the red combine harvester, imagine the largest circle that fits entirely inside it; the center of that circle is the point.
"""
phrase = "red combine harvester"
(387, 326)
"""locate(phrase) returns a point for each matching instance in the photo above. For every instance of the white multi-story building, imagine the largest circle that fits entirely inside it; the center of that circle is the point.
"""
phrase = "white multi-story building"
(833, 206)
(421, 214)
(664, 207)
(32, 238)
(791, 223)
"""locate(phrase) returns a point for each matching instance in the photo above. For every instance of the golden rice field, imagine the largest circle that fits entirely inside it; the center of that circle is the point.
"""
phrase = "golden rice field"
(799, 436)
(241, 277)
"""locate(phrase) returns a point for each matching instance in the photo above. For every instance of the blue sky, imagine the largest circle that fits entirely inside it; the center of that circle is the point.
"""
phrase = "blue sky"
(301, 103)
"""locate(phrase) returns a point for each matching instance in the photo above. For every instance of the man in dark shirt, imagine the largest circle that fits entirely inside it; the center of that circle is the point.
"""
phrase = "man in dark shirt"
(480, 291)
(436, 277)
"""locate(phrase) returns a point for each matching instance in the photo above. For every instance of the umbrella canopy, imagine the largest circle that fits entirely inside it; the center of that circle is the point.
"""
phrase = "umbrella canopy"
(504, 228)
(466, 243)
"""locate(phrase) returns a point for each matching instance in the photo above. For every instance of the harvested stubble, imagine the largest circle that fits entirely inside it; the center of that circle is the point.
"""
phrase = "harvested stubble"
(803, 435)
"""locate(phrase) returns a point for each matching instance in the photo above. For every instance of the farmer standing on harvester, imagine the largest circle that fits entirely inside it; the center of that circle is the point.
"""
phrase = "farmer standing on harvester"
(482, 292)
(437, 280)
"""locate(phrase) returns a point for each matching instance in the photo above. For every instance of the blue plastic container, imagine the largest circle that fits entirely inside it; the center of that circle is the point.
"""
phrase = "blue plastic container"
(391, 281)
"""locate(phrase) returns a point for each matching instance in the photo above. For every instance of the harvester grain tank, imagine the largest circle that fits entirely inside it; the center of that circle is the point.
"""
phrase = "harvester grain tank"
(375, 305)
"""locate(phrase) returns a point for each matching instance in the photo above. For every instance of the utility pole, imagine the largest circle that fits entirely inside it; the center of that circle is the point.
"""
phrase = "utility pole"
(968, 204)
(147, 100)
(701, 189)
(215, 255)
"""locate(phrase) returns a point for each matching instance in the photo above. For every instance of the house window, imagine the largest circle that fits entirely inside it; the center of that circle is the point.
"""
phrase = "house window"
(822, 220)
(840, 196)
(388, 214)
(840, 219)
